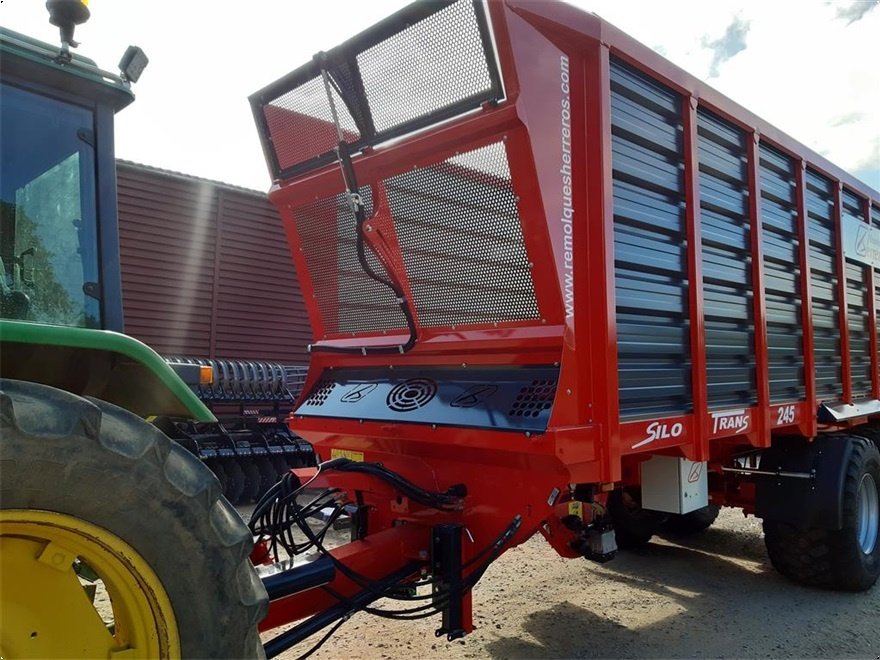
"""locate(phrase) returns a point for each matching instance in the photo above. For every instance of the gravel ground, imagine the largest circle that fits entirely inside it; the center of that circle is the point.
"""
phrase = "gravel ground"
(712, 595)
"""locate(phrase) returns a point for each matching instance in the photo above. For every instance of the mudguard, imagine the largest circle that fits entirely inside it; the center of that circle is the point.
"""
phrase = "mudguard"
(99, 363)
(812, 501)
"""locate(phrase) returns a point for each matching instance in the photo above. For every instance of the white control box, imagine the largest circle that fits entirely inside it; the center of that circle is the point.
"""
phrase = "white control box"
(674, 485)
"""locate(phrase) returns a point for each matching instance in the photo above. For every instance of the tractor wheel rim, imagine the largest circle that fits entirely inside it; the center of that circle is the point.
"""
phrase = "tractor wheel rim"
(50, 563)
(869, 514)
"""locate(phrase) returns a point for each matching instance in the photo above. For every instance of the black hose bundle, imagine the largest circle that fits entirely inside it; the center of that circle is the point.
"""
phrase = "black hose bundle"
(279, 514)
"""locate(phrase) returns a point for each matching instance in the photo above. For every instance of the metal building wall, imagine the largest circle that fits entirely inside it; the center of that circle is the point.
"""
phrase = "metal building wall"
(206, 271)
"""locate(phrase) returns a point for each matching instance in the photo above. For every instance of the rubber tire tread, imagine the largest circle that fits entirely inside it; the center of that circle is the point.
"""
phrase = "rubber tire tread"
(693, 522)
(633, 527)
(871, 431)
(828, 558)
(100, 463)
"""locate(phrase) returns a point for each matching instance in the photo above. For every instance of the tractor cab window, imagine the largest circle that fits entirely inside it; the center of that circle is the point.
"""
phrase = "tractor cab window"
(48, 226)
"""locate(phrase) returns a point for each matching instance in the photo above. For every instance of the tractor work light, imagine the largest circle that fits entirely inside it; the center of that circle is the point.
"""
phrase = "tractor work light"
(133, 63)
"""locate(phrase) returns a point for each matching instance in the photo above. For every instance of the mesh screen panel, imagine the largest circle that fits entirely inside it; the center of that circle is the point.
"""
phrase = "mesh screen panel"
(301, 126)
(461, 243)
(348, 299)
(534, 399)
(427, 63)
(459, 231)
(430, 65)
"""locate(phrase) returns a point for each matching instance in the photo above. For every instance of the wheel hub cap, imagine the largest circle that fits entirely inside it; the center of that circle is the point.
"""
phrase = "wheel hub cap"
(56, 571)
(868, 514)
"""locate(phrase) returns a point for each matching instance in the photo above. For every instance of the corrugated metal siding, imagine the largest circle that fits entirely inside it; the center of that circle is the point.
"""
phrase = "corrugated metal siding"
(167, 229)
(781, 246)
(821, 229)
(857, 320)
(727, 263)
(650, 257)
(206, 271)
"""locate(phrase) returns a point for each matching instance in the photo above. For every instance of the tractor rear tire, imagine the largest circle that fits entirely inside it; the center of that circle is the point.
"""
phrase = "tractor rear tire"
(846, 559)
(633, 525)
(693, 522)
(99, 464)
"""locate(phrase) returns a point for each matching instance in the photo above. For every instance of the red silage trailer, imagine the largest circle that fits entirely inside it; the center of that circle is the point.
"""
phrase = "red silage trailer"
(559, 285)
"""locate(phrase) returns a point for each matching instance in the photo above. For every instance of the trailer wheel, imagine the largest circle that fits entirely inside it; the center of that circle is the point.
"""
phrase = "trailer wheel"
(693, 522)
(97, 504)
(846, 559)
(633, 525)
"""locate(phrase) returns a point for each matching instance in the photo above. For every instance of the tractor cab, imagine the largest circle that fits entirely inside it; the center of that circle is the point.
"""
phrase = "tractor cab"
(58, 231)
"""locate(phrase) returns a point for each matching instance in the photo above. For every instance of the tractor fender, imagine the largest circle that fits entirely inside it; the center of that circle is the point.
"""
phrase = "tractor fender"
(106, 365)
(813, 499)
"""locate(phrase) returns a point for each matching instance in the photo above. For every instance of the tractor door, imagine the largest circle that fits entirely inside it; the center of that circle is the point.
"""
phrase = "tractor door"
(48, 227)
(59, 243)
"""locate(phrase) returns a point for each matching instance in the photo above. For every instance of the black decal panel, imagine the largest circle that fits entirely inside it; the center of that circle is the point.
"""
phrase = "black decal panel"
(514, 399)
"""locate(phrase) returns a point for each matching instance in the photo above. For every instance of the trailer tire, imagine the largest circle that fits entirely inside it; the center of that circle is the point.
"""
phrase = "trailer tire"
(83, 460)
(633, 525)
(846, 559)
(693, 522)
(871, 431)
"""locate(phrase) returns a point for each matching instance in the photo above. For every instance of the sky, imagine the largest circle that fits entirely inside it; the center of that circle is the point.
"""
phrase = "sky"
(809, 67)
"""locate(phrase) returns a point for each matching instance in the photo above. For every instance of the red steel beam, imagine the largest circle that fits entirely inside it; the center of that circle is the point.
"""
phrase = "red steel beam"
(762, 359)
(845, 366)
(809, 426)
(699, 385)
(870, 276)
(377, 555)
(602, 314)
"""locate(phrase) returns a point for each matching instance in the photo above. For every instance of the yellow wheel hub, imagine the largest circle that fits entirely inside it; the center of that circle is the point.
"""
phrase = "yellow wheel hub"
(70, 589)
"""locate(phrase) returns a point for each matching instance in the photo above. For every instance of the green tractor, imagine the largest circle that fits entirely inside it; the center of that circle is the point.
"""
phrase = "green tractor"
(115, 541)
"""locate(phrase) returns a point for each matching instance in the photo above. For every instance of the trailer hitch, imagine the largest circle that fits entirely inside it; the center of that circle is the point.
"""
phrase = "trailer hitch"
(337, 613)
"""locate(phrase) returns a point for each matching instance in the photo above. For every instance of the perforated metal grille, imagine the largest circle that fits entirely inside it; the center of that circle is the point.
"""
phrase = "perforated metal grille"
(461, 243)
(433, 64)
(460, 235)
(429, 62)
(319, 395)
(534, 398)
(301, 126)
(348, 299)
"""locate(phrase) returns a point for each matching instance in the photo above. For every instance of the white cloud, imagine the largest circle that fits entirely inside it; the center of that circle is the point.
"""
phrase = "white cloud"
(803, 69)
